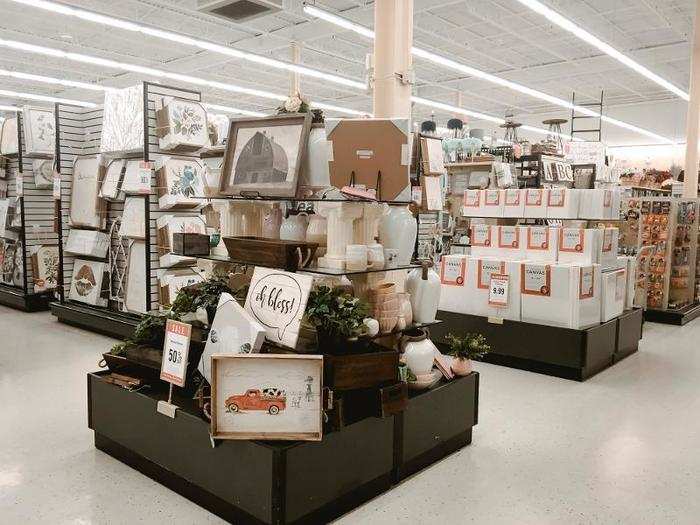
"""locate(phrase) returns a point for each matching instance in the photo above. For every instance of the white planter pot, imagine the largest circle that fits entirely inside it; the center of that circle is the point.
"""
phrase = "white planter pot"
(398, 229)
(418, 353)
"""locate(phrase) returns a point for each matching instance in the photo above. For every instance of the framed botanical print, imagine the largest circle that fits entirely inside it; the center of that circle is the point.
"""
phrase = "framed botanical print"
(122, 120)
(181, 125)
(86, 208)
(45, 268)
(267, 396)
(181, 182)
(264, 155)
(89, 283)
(43, 173)
(8, 137)
(39, 127)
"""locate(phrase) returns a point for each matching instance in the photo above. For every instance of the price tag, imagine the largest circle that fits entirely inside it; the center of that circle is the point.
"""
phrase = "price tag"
(56, 185)
(498, 290)
(175, 351)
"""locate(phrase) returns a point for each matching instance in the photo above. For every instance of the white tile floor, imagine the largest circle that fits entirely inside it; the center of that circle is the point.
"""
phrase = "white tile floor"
(619, 448)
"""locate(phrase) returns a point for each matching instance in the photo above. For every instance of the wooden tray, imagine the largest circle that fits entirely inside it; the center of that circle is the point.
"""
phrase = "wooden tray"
(290, 255)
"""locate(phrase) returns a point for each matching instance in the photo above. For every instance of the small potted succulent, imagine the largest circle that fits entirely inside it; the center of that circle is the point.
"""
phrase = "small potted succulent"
(464, 349)
(337, 316)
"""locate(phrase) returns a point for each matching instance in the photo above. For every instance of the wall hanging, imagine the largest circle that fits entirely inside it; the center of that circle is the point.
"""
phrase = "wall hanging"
(43, 173)
(88, 282)
(180, 182)
(181, 125)
(122, 120)
(39, 127)
(86, 208)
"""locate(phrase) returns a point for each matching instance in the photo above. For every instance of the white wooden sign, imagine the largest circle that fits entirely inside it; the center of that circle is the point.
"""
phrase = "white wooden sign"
(277, 300)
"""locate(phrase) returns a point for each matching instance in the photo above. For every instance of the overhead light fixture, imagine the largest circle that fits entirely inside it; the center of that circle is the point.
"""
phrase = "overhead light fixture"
(10, 108)
(468, 70)
(228, 109)
(44, 98)
(587, 37)
(51, 80)
(189, 41)
(160, 74)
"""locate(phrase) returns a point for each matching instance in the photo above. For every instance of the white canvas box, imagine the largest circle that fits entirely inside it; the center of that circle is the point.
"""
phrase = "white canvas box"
(616, 203)
(613, 293)
(510, 242)
(454, 296)
(540, 243)
(596, 204)
(535, 203)
(563, 203)
(479, 274)
(492, 202)
(630, 264)
(514, 203)
(578, 245)
(565, 295)
(609, 241)
(471, 205)
(483, 240)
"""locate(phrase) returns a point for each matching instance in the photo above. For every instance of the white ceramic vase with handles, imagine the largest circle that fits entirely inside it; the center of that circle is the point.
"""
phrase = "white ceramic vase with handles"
(294, 227)
(398, 230)
(418, 353)
(424, 286)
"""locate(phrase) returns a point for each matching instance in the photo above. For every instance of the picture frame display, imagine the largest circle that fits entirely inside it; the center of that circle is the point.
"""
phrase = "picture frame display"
(86, 208)
(122, 120)
(8, 137)
(87, 282)
(42, 169)
(39, 127)
(45, 268)
(181, 125)
(181, 183)
(112, 179)
(264, 155)
(89, 243)
(267, 396)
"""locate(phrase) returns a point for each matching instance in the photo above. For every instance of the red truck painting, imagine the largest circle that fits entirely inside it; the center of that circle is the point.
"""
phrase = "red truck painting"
(254, 399)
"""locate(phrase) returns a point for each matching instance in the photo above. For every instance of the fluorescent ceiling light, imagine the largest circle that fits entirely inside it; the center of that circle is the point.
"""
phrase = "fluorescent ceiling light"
(584, 35)
(228, 109)
(158, 73)
(189, 41)
(462, 68)
(51, 80)
(44, 98)
(10, 108)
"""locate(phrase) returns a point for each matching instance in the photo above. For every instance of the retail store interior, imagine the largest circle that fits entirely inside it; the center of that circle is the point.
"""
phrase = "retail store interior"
(350, 261)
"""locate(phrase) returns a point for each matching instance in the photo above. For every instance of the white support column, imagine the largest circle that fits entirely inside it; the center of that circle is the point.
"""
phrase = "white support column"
(690, 185)
(393, 27)
(294, 82)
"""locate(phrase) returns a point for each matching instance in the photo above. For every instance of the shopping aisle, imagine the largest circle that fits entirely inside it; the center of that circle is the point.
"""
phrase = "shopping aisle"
(621, 447)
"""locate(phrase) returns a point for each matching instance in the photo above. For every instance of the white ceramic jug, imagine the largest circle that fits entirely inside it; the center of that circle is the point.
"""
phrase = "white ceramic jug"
(398, 229)
(294, 227)
(418, 353)
(424, 286)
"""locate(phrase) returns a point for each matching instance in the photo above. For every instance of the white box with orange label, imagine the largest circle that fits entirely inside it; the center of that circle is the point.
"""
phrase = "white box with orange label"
(563, 203)
(540, 243)
(607, 249)
(471, 204)
(596, 204)
(535, 203)
(483, 240)
(514, 203)
(502, 302)
(492, 202)
(510, 242)
(454, 295)
(578, 245)
(614, 292)
(565, 295)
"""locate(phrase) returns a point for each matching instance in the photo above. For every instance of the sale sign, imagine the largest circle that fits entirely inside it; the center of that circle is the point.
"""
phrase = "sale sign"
(498, 290)
(175, 351)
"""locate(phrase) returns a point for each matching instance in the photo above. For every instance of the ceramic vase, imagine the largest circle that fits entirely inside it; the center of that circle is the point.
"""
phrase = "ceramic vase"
(294, 228)
(418, 352)
(272, 221)
(462, 367)
(423, 284)
(398, 229)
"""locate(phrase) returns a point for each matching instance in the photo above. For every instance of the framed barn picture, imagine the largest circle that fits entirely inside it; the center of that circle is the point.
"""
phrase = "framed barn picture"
(264, 155)
(267, 396)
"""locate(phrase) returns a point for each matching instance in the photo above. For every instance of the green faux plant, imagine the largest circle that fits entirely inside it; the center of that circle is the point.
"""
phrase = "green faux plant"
(468, 346)
(335, 313)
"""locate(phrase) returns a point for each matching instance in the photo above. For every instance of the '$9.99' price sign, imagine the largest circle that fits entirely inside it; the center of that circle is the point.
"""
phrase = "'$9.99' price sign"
(498, 290)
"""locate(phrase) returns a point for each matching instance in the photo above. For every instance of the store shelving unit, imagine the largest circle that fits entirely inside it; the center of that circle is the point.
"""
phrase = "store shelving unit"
(35, 228)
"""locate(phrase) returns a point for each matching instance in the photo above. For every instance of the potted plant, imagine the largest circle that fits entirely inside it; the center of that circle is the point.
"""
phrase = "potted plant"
(337, 316)
(464, 349)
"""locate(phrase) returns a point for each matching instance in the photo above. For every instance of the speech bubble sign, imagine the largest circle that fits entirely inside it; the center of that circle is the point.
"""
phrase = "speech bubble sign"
(277, 300)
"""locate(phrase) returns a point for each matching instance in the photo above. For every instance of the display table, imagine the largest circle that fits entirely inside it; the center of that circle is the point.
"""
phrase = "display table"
(676, 317)
(562, 352)
(113, 324)
(279, 482)
(15, 297)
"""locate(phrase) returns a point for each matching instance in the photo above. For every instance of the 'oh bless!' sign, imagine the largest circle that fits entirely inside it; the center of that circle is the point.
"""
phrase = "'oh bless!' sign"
(277, 300)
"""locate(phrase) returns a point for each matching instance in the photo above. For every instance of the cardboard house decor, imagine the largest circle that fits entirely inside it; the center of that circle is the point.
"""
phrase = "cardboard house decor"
(167, 226)
(135, 287)
(39, 127)
(122, 120)
(234, 331)
(133, 223)
(367, 147)
(264, 155)
(277, 300)
(8, 137)
(181, 125)
(89, 243)
(89, 283)
(180, 182)
(112, 179)
(45, 268)
(267, 396)
(43, 174)
(170, 282)
(86, 208)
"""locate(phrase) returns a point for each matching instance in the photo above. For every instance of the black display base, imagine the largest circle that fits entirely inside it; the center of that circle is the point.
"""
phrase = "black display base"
(101, 321)
(17, 299)
(676, 317)
(562, 352)
(279, 482)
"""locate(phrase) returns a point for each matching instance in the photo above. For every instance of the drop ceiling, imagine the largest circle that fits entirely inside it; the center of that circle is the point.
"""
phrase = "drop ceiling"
(501, 37)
